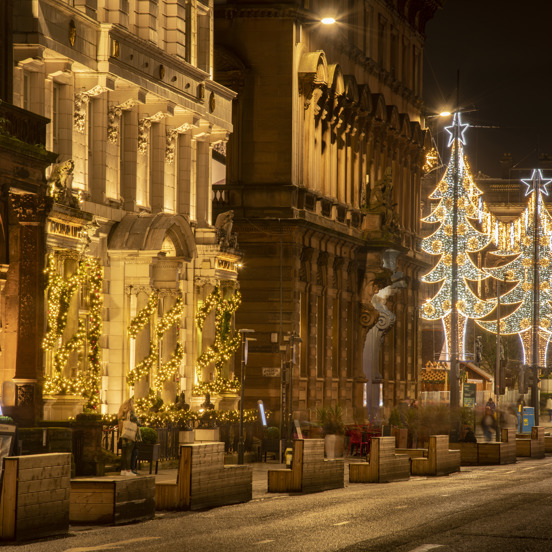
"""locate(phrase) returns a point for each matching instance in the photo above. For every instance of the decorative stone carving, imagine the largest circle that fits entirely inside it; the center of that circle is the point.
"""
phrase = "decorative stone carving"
(25, 394)
(220, 147)
(381, 199)
(172, 133)
(223, 227)
(29, 207)
(59, 184)
(82, 99)
(144, 126)
(114, 119)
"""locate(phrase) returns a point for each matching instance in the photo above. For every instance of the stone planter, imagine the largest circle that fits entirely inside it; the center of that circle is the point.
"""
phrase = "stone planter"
(334, 445)
(148, 452)
(62, 407)
(186, 437)
(207, 434)
(228, 401)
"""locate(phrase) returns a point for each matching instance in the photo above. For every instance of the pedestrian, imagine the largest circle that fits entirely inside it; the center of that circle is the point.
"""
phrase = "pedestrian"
(127, 439)
(469, 435)
(488, 424)
(491, 404)
(549, 408)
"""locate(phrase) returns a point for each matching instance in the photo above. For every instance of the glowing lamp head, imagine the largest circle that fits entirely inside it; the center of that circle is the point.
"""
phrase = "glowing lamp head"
(327, 20)
(445, 114)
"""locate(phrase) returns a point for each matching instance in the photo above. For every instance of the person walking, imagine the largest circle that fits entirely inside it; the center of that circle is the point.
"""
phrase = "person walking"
(488, 424)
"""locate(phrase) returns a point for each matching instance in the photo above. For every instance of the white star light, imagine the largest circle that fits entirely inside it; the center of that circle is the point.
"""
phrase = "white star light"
(536, 182)
(457, 122)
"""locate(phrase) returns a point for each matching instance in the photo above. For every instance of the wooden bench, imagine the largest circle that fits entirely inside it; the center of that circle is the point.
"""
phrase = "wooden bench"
(203, 481)
(412, 452)
(502, 452)
(34, 499)
(440, 459)
(309, 472)
(533, 446)
(383, 465)
(112, 500)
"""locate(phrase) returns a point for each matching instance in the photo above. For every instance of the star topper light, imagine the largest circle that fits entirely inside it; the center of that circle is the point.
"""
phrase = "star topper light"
(536, 182)
(457, 122)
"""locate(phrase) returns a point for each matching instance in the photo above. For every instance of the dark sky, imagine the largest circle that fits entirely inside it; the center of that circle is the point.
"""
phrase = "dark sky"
(503, 52)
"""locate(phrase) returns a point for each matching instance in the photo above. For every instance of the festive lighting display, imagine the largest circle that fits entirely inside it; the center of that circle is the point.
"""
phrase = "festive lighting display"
(468, 240)
(517, 239)
(144, 316)
(226, 343)
(168, 370)
(87, 382)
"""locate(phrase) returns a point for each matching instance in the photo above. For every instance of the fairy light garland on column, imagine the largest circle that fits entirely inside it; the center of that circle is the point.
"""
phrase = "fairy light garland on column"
(224, 346)
(167, 370)
(59, 292)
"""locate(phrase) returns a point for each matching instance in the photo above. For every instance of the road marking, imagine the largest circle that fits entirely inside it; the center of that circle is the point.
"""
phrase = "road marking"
(265, 541)
(110, 545)
(341, 523)
(530, 468)
(425, 547)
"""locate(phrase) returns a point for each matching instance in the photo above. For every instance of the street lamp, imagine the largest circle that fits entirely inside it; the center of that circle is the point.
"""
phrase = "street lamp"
(241, 442)
(292, 340)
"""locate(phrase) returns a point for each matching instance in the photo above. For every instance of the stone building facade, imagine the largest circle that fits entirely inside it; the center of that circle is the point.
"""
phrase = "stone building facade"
(129, 240)
(323, 176)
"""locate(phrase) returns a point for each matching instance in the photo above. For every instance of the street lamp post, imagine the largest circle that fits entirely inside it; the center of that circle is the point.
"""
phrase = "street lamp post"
(241, 442)
(293, 339)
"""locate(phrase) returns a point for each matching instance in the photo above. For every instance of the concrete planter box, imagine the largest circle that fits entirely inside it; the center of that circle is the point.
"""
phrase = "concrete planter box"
(207, 434)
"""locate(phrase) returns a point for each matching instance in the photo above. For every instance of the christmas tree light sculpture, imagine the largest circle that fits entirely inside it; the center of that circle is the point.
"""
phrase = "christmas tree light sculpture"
(528, 239)
(467, 239)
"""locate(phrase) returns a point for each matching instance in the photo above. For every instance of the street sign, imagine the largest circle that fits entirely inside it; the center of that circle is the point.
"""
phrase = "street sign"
(271, 372)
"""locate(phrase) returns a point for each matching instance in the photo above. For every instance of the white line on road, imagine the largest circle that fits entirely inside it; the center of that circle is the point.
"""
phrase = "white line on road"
(530, 468)
(110, 545)
(265, 541)
(341, 523)
(425, 547)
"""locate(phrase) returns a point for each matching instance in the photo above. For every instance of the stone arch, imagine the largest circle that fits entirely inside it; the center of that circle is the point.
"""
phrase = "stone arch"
(147, 232)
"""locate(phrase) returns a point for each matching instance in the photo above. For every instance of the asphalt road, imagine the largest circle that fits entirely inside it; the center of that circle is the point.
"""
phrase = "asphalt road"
(494, 509)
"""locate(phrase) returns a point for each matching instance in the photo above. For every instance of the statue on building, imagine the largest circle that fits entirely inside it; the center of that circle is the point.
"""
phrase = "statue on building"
(59, 184)
(381, 199)
(223, 226)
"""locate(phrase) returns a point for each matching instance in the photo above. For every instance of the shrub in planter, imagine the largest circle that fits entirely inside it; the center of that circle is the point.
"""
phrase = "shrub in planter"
(149, 435)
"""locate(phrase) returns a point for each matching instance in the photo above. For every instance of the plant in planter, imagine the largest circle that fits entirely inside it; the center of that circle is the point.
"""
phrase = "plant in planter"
(148, 447)
(331, 420)
(271, 442)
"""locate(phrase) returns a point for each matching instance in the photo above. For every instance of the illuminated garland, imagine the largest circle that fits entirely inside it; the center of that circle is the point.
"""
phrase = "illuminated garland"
(217, 387)
(142, 369)
(143, 317)
(166, 371)
(171, 417)
(225, 343)
(59, 293)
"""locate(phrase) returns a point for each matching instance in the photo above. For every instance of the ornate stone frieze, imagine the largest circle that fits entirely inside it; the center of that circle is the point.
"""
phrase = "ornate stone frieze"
(135, 290)
(220, 147)
(82, 99)
(114, 119)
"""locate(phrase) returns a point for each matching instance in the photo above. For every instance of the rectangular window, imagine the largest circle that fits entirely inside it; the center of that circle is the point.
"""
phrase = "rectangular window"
(382, 42)
(56, 113)
(320, 345)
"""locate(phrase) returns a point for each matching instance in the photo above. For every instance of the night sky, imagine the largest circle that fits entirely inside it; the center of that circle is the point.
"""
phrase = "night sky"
(503, 52)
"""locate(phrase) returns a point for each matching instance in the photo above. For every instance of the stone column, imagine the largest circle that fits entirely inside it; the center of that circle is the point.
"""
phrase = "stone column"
(24, 308)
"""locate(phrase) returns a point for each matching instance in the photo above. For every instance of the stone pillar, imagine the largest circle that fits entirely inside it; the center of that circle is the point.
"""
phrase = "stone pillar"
(24, 308)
